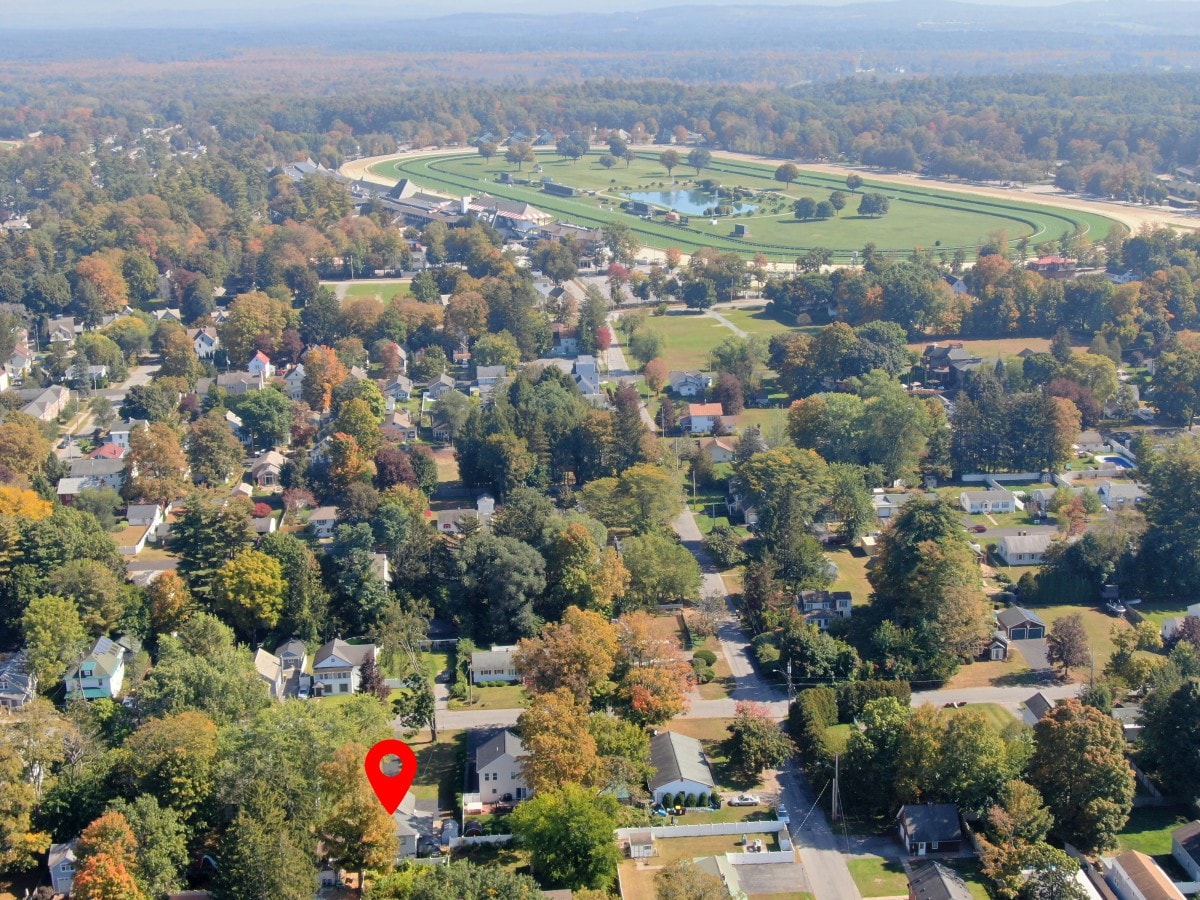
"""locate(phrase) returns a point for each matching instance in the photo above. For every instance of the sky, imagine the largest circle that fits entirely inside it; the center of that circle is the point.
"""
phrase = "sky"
(102, 13)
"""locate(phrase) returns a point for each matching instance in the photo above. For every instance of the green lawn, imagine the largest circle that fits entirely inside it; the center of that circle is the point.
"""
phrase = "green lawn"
(1149, 829)
(999, 718)
(688, 338)
(852, 572)
(919, 215)
(837, 737)
(972, 874)
(439, 772)
(511, 696)
(1096, 622)
(755, 321)
(878, 877)
(384, 290)
(1158, 611)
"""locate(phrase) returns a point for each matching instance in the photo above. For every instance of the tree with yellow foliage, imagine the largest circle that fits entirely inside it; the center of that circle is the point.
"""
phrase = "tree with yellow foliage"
(23, 504)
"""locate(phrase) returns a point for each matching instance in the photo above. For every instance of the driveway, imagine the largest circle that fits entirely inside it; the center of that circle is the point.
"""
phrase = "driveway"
(1034, 652)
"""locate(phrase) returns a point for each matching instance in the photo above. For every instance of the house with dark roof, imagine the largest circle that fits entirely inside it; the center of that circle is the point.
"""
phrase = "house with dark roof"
(948, 364)
(18, 683)
(1185, 847)
(498, 762)
(822, 607)
(937, 882)
(1036, 707)
(293, 654)
(929, 828)
(996, 648)
(337, 666)
(439, 387)
(680, 766)
(1019, 624)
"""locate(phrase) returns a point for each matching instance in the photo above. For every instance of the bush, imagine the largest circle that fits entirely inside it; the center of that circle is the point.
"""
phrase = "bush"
(714, 800)
(853, 696)
(690, 801)
(708, 656)
(680, 799)
(702, 798)
(705, 675)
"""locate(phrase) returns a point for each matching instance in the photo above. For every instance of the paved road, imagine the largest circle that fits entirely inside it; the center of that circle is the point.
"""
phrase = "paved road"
(821, 849)
(618, 366)
(724, 321)
(139, 375)
(1008, 697)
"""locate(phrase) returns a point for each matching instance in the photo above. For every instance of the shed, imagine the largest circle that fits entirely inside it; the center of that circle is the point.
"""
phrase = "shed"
(641, 844)
(1020, 624)
(1036, 708)
(929, 828)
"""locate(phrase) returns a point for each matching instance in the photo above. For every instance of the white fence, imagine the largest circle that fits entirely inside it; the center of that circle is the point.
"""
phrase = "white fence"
(455, 843)
(682, 831)
(1012, 477)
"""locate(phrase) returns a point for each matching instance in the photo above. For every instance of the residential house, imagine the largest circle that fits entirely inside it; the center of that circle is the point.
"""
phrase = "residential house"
(237, 383)
(205, 341)
(293, 382)
(322, 521)
(1112, 404)
(587, 375)
(996, 648)
(146, 515)
(680, 767)
(1185, 847)
(937, 882)
(690, 384)
(20, 362)
(97, 473)
(719, 450)
(337, 666)
(131, 540)
(1035, 708)
(47, 405)
(413, 827)
(120, 432)
(448, 519)
(702, 418)
(61, 863)
(238, 428)
(18, 683)
(61, 330)
(442, 431)
(88, 376)
(398, 426)
(990, 501)
(270, 670)
(169, 314)
(494, 665)
(399, 388)
(486, 375)
(499, 766)
(1135, 876)
(293, 655)
(264, 524)
(260, 364)
(1057, 267)
(108, 451)
(267, 468)
(1130, 718)
(1118, 494)
(439, 387)
(948, 365)
(887, 505)
(1024, 549)
(100, 673)
(929, 828)
(1091, 442)
(1019, 624)
(565, 339)
(822, 607)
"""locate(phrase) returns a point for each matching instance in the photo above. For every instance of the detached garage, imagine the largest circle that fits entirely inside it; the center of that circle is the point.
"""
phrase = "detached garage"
(1020, 624)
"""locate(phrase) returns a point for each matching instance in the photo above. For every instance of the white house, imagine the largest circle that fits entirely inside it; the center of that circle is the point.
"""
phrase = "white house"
(100, 673)
(822, 607)
(293, 654)
(20, 363)
(494, 665)
(702, 418)
(448, 520)
(260, 364)
(485, 375)
(205, 342)
(1185, 847)
(337, 666)
(690, 384)
(992, 501)
(270, 670)
(887, 505)
(499, 764)
(293, 382)
(1135, 876)
(1116, 494)
(322, 521)
(18, 683)
(680, 767)
(1024, 549)
(120, 432)
(719, 450)
(61, 863)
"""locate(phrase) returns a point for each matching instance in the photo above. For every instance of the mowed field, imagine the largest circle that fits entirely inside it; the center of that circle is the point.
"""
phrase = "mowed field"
(919, 216)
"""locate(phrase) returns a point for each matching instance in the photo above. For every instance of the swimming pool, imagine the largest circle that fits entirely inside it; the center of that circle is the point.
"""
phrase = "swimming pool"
(1119, 461)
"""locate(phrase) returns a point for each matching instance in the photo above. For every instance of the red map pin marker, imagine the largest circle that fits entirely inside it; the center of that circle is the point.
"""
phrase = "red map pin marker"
(390, 788)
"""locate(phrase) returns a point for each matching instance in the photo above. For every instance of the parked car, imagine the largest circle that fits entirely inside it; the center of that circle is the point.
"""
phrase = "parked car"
(979, 529)
(302, 694)
(1116, 607)
(746, 800)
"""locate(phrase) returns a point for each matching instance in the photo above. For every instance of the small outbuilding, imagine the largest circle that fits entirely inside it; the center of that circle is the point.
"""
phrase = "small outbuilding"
(1019, 624)
(641, 844)
(929, 828)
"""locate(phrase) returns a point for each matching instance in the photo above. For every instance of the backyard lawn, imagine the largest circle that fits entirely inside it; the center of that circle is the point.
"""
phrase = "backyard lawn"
(438, 773)
(1096, 622)
(383, 290)
(852, 572)
(1149, 829)
(755, 321)
(878, 877)
(999, 718)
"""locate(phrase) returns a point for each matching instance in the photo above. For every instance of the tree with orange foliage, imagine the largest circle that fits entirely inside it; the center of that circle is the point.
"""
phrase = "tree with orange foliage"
(656, 373)
(103, 877)
(323, 372)
(23, 447)
(554, 730)
(654, 694)
(577, 654)
(111, 834)
(106, 279)
(354, 828)
(170, 602)
(256, 322)
(347, 462)
(23, 504)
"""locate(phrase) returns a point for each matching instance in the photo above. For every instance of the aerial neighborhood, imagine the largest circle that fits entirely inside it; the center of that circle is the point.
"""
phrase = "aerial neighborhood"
(690, 558)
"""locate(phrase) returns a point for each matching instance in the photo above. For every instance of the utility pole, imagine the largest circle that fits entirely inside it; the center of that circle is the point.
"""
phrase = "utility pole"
(835, 812)
(791, 691)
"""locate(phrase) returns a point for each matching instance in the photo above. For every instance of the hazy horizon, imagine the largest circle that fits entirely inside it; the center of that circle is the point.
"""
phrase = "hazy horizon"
(82, 14)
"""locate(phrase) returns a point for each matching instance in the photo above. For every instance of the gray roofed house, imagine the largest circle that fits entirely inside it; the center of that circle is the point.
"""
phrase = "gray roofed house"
(323, 520)
(1185, 847)
(337, 666)
(490, 374)
(399, 388)
(680, 766)
(61, 863)
(499, 769)
(990, 501)
(1130, 718)
(1121, 493)
(1036, 707)
(1020, 624)
(47, 405)
(292, 654)
(937, 882)
(1024, 549)
(494, 665)
(505, 742)
(439, 387)
(929, 828)
(18, 684)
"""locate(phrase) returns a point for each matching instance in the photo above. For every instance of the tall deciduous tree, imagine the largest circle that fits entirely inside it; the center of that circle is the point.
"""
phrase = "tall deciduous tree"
(1067, 643)
(756, 741)
(684, 880)
(1079, 766)
(578, 654)
(561, 750)
(569, 835)
(214, 453)
(156, 466)
(354, 828)
(54, 637)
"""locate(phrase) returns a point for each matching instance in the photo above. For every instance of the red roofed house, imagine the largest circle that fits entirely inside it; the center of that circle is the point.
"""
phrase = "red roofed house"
(702, 418)
(109, 451)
